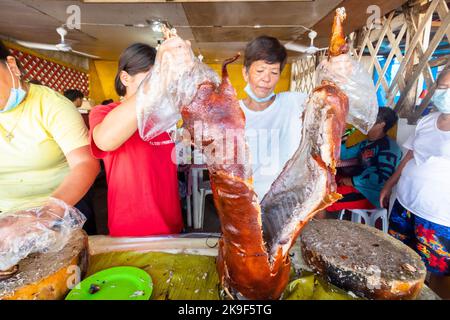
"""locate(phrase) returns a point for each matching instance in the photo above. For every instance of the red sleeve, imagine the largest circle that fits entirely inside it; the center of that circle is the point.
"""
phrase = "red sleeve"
(96, 116)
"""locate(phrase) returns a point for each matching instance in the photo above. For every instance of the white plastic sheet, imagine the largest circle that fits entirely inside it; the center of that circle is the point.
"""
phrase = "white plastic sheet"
(351, 77)
(36, 230)
(172, 83)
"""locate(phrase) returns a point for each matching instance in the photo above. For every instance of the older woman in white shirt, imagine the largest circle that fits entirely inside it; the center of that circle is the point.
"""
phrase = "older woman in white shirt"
(420, 216)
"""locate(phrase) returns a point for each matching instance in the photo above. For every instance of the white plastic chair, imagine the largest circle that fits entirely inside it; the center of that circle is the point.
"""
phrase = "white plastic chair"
(185, 170)
(200, 189)
(197, 169)
(205, 189)
(370, 216)
(189, 211)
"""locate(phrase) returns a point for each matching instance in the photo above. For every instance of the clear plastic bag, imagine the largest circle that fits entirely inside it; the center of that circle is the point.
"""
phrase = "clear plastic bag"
(351, 77)
(40, 229)
(172, 83)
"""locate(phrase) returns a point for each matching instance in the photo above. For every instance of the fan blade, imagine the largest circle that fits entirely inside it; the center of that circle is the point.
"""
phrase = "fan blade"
(296, 47)
(85, 54)
(35, 45)
(313, 50)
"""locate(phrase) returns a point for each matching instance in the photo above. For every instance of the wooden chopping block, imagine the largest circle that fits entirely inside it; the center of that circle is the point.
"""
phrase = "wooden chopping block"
(362, 259)
(46, 276)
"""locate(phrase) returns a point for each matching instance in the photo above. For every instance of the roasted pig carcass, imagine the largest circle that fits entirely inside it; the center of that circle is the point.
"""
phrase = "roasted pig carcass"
(253, 254)
(253, 260)
(256, 237)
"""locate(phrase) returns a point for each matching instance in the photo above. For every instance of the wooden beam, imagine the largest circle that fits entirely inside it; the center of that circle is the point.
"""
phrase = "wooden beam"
(427, 75)
(417, 3)
(415, 16)
(357, 17)
(433, 45)
(410, 96)
(411, 49)
(395, 51)
(374, 62)
(387, 23)
(374, 51)
(442, 11)
(439, 61)
(396, 23)
(426, 100)
(364, 43)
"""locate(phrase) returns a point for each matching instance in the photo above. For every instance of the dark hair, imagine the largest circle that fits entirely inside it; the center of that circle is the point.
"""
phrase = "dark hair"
(35, 81)
(106, 102)
(388, 116)
(73, 94)
(137, 58)
(4, 52)
(265, 48)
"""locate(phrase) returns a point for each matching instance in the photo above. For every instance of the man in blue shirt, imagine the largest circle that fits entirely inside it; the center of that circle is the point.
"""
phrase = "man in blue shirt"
(378, 157)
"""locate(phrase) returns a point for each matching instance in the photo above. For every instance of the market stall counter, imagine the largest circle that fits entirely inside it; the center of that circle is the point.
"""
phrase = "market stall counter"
(182, 267)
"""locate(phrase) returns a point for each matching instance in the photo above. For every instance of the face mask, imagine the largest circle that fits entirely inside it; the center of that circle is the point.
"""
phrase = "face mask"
(250, 93)
(441, 99)
(16, 95)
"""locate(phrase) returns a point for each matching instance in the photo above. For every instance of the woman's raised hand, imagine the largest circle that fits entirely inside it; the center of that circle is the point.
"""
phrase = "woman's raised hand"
(174, 48)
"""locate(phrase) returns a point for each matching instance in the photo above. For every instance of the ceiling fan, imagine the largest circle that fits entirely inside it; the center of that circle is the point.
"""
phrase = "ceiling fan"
(304, 49)
(62, 46)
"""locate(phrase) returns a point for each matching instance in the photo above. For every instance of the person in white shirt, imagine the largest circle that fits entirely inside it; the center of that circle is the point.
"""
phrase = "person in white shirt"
(273, 121)
(420, 216)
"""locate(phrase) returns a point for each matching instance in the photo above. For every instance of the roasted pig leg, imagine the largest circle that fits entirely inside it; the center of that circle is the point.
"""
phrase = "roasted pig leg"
(338, 45)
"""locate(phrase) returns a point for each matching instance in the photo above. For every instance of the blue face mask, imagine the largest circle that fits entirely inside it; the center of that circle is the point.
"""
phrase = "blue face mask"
(16, 95)
(252, 95)
(441, 99)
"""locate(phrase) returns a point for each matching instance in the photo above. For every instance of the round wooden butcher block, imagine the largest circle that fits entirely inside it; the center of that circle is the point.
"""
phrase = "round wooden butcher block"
(362, 259)
(47, 276)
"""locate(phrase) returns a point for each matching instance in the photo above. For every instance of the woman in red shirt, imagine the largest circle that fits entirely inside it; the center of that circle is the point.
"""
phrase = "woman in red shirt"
(142, 178)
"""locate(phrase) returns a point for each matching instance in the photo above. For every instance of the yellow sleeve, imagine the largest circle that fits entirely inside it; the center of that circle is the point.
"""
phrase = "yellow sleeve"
(63, 122)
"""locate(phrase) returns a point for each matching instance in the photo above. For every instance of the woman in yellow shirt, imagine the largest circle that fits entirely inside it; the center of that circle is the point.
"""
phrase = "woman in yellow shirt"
(44, 145)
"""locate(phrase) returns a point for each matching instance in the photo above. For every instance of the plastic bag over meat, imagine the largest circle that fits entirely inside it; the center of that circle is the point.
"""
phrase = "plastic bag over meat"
(172, 83)
(351, 77)
(36, 230)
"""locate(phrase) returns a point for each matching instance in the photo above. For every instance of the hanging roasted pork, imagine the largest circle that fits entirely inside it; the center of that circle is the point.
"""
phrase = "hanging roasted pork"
(253, 253)
(253, 259)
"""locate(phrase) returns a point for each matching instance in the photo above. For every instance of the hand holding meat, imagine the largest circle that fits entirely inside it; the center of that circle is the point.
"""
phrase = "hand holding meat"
(172, 83)
(40, 229)
(350, 76)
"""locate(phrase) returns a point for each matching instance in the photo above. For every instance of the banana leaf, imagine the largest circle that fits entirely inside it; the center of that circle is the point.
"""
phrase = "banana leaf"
(175, 276)
(194, 277)
(311, 287)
